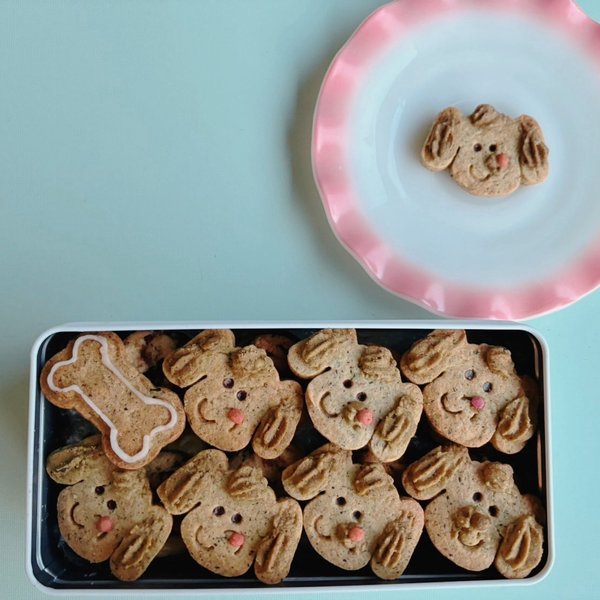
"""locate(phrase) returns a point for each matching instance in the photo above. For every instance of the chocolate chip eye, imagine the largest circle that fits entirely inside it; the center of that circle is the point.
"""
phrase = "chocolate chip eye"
(487, 386)
(469, 374)
(357, 514)
(241, 395)
(347, 383)
(477, 496)
(493, 510)
(218, 511)
(340, 501)
(237, 518)
(228, 382)
(111, 505)
(493, 148)
(361, 396)
(99, 490)
(477, 147)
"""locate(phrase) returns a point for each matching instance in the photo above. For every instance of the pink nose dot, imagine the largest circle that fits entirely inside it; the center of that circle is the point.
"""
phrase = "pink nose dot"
(235, 415)
(502, 160)
(104, 524)
(478, 403)
(236, 539)
(364, 416)
(356, 534)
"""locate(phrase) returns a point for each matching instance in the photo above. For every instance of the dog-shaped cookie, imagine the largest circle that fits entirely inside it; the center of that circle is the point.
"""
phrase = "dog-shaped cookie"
(107, 512)
(477, 516)
(355, 515)
(233, 517)
(473, 394)
(356, 395)
(236, 395)
(488, 153)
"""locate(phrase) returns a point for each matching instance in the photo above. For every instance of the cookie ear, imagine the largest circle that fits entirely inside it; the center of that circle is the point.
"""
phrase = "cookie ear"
(483, 115)
(306, 478)
(521, 548)
(378, 363)
(499, 361)
(275, 552)
(533, 154)
(140, 545)
(443, 140)
(394, 432)
(396, 543)
(278, 425)
(310, 357)
(187, 365)
(371, 477)
(430, 357)
(77, 462)
(247, 482)
(183, 490)
(429, 475)
(515, 427)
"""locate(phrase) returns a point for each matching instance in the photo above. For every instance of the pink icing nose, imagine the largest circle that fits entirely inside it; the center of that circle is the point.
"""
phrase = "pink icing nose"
(104, 524)
(502, 160)
(236, 415)
(364, 416)
(478, 403)
(356, 534)
(236, 539)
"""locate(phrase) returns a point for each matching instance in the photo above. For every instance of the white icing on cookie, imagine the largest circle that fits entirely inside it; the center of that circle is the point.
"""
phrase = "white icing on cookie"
(124, 456)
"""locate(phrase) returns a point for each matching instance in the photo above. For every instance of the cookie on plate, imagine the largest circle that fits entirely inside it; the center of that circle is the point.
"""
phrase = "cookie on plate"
(233, 518)
(235, 395)
(488, 153)
(356, 396)
(472, 393)
(95, 377)
(476, 515)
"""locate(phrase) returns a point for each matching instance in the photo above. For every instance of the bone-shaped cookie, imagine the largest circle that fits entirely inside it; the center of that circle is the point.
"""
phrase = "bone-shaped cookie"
(93, 376)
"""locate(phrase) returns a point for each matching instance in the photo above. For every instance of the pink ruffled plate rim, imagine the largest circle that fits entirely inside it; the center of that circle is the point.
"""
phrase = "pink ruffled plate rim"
(331, 171)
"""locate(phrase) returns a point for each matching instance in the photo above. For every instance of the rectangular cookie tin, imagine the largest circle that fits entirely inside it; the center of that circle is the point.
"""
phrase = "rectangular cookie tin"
(54, 568)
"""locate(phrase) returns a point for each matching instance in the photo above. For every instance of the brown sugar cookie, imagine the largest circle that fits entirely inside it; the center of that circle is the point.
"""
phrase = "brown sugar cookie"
(236, 395)
(473, 394)
(488, 153)
(234, 518)
(477, 516)
(355, 515)
(145, 349)
(106, 512)
(94, 377)
(356, 395)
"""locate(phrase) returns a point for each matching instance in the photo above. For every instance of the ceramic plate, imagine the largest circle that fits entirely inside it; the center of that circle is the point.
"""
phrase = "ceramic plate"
(416, 232)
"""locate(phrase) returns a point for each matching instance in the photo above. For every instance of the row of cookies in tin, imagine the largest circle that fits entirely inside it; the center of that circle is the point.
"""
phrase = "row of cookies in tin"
(234, 396)
(351, 532)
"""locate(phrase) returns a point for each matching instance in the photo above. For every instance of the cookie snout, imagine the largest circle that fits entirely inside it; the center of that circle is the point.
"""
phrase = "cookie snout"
(236, 539)
(502, 160)
(350, 534)
(364, 416)
(104, 524)
(236, 416)
(356, 534)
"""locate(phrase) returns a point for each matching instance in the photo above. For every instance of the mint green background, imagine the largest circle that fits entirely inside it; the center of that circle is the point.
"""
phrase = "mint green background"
(154, 165)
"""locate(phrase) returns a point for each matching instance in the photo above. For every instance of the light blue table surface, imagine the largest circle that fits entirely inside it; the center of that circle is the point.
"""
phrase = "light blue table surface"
(154, 165)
